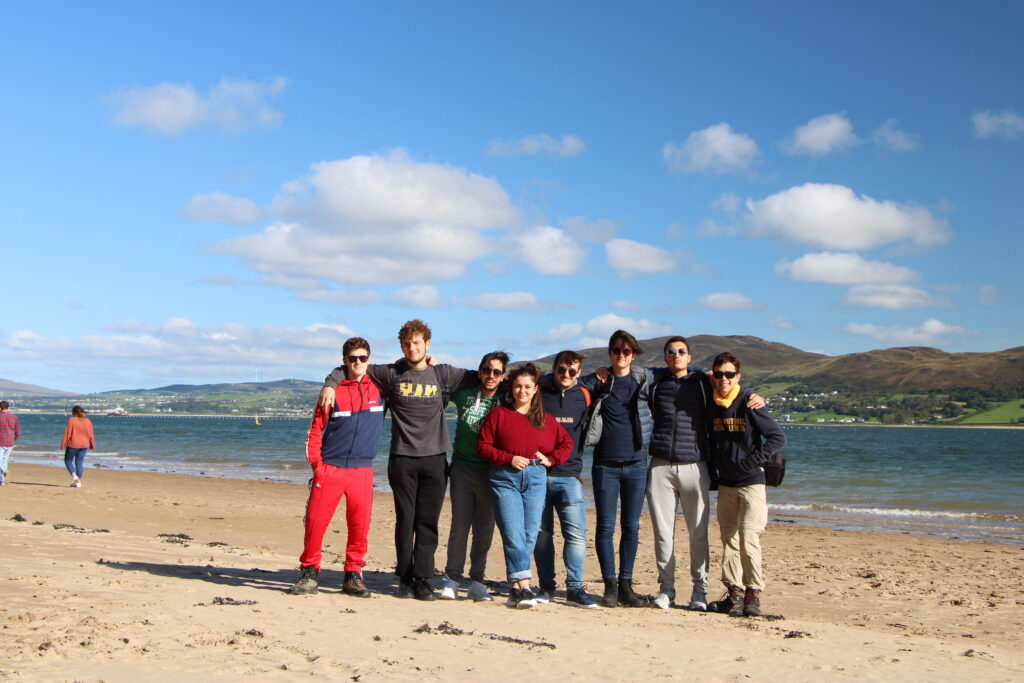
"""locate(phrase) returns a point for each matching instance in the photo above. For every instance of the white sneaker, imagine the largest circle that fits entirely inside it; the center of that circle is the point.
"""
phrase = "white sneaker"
(478, 592)
(663, 601)
(449, 588)
(75, 483)
(699, 599)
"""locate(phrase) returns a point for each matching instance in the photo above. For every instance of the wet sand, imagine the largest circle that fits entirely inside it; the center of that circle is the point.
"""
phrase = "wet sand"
(140, 576)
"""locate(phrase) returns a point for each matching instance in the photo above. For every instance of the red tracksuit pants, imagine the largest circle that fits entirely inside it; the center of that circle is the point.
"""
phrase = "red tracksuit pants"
(326, 488)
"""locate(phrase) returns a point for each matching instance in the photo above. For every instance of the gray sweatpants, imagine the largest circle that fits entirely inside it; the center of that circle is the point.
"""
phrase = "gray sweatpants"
(669, 486)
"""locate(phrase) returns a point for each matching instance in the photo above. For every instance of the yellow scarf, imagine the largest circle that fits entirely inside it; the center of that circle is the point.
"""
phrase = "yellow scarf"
(727, 401)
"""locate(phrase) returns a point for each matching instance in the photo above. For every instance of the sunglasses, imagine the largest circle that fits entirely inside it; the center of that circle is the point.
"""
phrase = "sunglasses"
(572, 372)
(622, 352)
(357, 359)
(674, 352)
(728, 374)
(495, 372)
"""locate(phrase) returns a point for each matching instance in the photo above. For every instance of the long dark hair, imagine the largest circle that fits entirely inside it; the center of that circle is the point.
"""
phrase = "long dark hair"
(536, 412)
(77, 412)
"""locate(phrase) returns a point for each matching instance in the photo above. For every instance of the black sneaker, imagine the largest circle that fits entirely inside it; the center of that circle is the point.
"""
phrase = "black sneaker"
(308, 582)
(579, 598)
(752, 603)
(521, 598)
(421, 590)
(354, 585)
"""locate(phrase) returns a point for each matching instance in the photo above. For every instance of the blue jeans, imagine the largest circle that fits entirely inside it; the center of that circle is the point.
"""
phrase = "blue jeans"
(5, 456)
(564, 496)
(73, 460)
(518, 503)
(612, 482)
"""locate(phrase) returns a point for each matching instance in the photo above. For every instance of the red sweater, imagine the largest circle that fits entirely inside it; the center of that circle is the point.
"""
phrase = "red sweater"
(506, 433)
(78, 434)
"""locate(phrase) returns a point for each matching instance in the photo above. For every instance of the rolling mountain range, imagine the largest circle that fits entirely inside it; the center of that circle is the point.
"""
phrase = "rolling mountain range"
(904, 369)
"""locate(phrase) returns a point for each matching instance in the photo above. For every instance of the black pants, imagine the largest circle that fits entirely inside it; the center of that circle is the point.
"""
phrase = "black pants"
(418, 484)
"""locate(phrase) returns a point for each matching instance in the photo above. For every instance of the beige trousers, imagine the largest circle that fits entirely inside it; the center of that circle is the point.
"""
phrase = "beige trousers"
(742, 517)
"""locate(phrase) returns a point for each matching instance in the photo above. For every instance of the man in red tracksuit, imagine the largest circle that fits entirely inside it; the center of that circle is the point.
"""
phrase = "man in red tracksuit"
(340, 447)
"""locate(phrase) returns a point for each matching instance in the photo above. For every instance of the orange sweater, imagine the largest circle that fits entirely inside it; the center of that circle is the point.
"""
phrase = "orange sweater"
(78, 434)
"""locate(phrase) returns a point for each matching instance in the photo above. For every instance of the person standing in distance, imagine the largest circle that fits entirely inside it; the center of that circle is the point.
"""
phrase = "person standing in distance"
(10, 431)
(417, 465)
(340, 447)
(78, 439)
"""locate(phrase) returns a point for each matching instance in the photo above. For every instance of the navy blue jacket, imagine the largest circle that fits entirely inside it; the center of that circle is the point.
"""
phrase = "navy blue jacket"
(742, 440)
(350, 435)
(570, 409)
(679, 409)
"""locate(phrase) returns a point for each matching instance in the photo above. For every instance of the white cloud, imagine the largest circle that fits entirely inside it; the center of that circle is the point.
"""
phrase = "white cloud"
(728, 301)
(170, 109)
(711, 228)
(604, 325)
(560, 334)
(727, 202)
(1005, 124)
(378, 219)
(783, 323)
(823, 135)
(224, 280)
(419, 296)
(511, 301)
(988, 294)
(218, 207)
(929, 333)
(893, 297)
(889, 136)
(550, 251)
(843, 269)
(336, 296)
(628, 306)
(833, 217)
(592, 231)
(533, 145)
(716, 148)
(179, 348)
(631, 258)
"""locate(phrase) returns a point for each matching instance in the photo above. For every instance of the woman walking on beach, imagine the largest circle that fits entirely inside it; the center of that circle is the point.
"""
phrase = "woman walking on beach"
(78, 439)
(522, 442)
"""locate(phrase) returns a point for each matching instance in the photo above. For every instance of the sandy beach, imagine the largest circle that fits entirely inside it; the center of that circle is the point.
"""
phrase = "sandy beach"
(153, 577)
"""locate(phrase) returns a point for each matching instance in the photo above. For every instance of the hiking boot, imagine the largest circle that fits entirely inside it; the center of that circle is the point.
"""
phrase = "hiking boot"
(699, 599)
(611, 594)
(627, 598)
(308, 583)
(354, 585)
(751, 602)
(579, 598)
(478, 592)
(663, 601)
(521, 598)
(449, 588)
(545, 595)
(421, 590)
(735, 598)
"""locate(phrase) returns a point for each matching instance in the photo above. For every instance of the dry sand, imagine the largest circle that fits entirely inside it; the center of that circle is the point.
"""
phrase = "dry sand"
(116, 597)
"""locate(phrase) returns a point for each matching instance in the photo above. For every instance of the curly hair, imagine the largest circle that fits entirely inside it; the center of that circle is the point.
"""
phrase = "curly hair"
(414, 327)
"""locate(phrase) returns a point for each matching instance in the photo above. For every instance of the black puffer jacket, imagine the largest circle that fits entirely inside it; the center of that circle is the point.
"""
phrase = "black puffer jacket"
(679, 409)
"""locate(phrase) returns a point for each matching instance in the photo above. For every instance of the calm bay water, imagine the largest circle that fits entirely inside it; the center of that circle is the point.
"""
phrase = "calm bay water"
(966, 483)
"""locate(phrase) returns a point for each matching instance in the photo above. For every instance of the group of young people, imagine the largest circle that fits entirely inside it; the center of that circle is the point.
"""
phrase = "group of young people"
(667, 435)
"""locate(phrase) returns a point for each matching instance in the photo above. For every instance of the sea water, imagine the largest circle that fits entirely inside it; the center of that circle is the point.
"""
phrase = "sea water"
(950, 482)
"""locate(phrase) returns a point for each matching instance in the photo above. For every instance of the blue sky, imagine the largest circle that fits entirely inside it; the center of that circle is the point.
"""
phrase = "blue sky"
(195, 192)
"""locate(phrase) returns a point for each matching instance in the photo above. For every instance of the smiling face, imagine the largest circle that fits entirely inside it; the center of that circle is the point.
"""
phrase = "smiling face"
(677, 358)
(356, 362)
(415, 349)
(565, 374)
(491, 376)
(724, 384)
(621, 356)
(523, 389)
